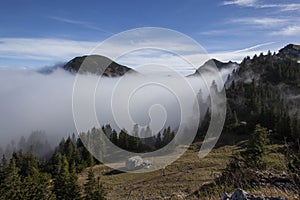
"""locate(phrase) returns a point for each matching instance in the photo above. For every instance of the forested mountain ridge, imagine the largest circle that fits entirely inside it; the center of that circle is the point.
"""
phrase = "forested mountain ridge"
(275, 68)
(275, 74)
(265, 89)
(282, 67)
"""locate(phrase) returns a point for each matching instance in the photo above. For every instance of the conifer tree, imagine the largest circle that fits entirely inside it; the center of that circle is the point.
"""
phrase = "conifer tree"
(167, 136)
(93, 189)
(11, 185)
(123, 139)
(61, 178)
(158, 143)
(37, 186)
(73, 187)
(204, 124)
(257, 148)
(3, 170)
(114, 137)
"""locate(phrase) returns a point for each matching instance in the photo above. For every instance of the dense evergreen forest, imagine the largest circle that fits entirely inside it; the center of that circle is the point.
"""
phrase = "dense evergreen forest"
(260, 108)
(54, 174)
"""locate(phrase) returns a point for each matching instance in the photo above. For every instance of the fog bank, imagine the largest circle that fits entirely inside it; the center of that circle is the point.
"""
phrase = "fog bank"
(35, 101)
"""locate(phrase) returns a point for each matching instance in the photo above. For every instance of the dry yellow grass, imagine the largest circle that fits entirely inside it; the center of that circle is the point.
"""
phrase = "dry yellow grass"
(274, 192)
(182, 177)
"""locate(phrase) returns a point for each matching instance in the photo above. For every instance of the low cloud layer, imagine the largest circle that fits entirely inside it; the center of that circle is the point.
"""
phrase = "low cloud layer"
(34, 101)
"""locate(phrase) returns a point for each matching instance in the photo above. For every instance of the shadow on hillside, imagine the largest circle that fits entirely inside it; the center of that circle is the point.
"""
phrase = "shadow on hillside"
(114, 172)
(238, 139)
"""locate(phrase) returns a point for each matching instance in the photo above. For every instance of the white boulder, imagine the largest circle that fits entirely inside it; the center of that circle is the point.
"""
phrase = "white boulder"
(136, 162)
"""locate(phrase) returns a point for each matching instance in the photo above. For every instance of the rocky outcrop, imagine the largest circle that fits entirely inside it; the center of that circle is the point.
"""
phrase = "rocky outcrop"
(240, 194)
(136, 162)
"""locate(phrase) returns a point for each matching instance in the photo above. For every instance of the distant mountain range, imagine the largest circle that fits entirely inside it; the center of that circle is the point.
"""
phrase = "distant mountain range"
(96, 64)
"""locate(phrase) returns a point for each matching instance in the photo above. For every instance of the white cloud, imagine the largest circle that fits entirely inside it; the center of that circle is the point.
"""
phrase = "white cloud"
(70, 21)
(287, 26)
(248, 3)
(254, 47)
(43, 49)
(49, 51)
(238, 55)
(213, 32)
(80, 23)
(261, 21)
(288, 31)
(282, 7)
(257, 4)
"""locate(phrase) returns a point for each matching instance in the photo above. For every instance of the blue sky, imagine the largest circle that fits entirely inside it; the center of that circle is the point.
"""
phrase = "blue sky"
(43, 33)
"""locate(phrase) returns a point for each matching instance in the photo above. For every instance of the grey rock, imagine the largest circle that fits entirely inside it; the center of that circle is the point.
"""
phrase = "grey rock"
(226, 196)
(240, 194)
(136, 162)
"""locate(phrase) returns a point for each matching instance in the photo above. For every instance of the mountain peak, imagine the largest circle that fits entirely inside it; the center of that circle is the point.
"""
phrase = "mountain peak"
(291, 50)
(215, 63)
(96, 64)
(291, 46)
(219, 64)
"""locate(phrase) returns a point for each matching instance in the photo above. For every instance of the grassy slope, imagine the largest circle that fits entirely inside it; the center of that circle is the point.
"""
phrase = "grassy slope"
(182, 177)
